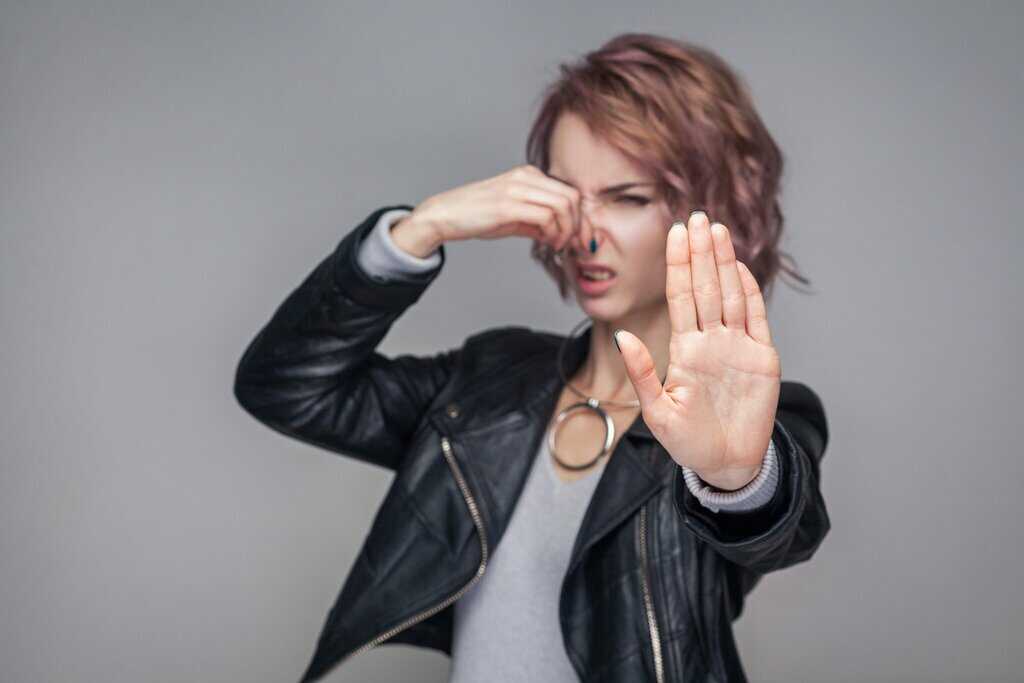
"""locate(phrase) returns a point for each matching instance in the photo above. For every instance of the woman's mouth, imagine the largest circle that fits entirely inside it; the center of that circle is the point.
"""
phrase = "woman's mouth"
(594, 280)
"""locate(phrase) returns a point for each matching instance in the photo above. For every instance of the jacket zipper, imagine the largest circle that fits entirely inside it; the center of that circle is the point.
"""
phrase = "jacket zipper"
(478, 522)
(652, 621)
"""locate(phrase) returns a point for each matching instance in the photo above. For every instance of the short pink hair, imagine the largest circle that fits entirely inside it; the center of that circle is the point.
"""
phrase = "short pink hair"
(684, 116)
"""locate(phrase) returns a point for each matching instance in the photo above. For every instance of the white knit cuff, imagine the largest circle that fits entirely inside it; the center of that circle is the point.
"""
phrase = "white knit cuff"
(752, 496)
(381, 258)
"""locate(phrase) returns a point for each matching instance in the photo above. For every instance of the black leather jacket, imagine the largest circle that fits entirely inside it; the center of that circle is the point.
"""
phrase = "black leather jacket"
(655, 579)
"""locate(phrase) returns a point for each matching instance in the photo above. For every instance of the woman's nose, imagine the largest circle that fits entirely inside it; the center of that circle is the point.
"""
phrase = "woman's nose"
(592, 215)
(594, 203)
(587, 226)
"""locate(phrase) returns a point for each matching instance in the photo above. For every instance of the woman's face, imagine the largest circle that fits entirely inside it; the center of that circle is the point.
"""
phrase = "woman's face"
(630, 225)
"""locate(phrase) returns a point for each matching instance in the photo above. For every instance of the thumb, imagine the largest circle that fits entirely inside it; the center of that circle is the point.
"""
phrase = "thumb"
(640, 368)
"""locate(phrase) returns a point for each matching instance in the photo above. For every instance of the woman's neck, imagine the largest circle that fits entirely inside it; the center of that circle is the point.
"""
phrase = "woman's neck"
(603, 374)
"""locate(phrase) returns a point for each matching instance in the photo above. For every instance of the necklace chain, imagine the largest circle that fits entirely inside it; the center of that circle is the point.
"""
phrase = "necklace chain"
(596, 402)
(590, 403)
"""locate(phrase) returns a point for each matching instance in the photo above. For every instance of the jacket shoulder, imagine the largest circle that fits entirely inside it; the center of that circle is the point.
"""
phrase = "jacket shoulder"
(510, 341)
(798, 398)
(497, 348)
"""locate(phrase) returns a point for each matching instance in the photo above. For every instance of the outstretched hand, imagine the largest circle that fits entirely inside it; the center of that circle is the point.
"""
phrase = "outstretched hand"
(716, 410)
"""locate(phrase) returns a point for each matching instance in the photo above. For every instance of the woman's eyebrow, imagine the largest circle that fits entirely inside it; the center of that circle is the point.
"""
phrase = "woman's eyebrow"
(608, 190)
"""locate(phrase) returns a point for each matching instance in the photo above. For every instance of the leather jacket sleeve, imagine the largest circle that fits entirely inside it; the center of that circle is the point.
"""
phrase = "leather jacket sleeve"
(790, 527)
(312, 372)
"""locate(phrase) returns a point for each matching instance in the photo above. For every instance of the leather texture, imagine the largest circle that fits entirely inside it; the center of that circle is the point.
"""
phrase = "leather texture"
(313, 373)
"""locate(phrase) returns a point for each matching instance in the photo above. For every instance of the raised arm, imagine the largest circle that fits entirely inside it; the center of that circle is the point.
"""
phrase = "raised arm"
(790, 527)
(724, 408)
(313, 372)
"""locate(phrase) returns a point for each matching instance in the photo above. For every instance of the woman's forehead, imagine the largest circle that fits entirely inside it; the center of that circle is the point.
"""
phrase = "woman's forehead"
(577, 155)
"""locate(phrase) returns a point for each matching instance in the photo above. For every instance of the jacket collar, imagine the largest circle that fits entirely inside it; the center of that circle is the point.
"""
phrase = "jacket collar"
(498, 426)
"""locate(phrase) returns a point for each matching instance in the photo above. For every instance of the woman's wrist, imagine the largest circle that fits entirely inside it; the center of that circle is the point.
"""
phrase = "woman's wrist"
(415, 237)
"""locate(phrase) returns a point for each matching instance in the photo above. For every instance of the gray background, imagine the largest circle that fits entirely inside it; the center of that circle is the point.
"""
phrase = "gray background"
(171, 171)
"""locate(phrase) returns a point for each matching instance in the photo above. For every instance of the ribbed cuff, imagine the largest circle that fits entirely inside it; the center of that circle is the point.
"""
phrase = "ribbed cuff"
(381, 258)
(752, 496)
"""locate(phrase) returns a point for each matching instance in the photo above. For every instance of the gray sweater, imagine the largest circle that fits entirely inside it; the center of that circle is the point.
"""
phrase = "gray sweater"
(506, 626)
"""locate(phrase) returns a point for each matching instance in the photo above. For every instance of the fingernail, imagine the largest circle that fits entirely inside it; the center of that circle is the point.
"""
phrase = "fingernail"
(696, 211)
(616, 340)
(593, 245)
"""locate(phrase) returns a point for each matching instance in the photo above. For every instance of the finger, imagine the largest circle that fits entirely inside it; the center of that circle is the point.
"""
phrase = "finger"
(584, 228)
(734, 304)
(541, 216)
(706, 291)
(641, 370)
(585, 236)
(757, 318)
(682, 312)
(590, 235)
(586, 233)
(572, 195)
(558, 202)
(530, 174)
(518, 229)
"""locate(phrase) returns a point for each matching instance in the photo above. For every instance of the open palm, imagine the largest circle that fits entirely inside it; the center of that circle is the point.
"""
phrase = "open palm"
(716, 410)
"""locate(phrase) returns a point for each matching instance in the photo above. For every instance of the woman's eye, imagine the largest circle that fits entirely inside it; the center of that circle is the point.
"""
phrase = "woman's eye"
(633, 199)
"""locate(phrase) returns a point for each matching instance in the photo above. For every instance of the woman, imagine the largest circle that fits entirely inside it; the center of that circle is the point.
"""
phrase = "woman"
(640, 476)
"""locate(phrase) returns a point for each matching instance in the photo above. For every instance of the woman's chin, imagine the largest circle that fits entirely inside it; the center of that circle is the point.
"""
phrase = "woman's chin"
(602, 307)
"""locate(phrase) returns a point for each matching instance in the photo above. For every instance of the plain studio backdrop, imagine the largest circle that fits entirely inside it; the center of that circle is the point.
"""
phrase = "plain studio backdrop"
(171, 171)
